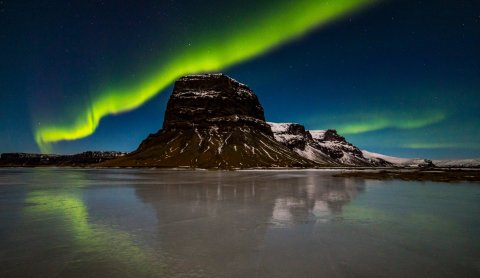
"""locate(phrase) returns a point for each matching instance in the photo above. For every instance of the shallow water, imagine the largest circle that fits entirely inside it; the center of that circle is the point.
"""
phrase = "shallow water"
(131, 223)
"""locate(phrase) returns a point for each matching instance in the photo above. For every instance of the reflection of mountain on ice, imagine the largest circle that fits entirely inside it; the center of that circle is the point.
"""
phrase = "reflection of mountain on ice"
(205, 214)
(318, 202)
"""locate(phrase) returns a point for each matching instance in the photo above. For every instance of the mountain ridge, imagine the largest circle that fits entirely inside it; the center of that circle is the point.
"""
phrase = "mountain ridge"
(213, 121)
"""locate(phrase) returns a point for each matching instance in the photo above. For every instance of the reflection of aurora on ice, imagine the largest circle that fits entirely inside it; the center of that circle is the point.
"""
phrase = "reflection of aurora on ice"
(89, 240)
(258, 34)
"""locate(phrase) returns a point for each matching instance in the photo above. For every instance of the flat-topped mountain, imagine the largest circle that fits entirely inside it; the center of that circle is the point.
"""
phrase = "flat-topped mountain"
(213, 121)
(203, 101)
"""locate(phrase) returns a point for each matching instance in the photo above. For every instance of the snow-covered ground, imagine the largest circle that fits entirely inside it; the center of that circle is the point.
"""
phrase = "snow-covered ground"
(279, 127)
(318, 134)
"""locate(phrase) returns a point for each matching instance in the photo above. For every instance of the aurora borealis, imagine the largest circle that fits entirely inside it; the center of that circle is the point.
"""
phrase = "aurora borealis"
(284, 22)
(391, 76)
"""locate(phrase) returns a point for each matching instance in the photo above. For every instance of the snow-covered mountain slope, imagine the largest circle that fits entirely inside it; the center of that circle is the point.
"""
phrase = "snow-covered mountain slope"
(322, 146)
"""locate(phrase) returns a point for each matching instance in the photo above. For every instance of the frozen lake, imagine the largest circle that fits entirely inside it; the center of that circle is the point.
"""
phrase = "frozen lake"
(131, 223)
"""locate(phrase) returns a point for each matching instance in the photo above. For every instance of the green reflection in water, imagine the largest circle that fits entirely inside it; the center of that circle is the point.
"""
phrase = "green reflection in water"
(91, 244)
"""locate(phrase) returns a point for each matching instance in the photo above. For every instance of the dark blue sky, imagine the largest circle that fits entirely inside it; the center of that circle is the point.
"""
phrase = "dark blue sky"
(400, 77)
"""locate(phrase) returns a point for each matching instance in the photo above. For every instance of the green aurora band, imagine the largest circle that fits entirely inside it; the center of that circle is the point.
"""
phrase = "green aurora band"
(286, 21)
(378, 121)
(429, 145)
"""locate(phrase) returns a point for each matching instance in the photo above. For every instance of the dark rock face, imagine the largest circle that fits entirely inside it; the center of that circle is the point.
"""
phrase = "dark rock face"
(212, 121)
(81, 159)
(201, 101)
(332, 135)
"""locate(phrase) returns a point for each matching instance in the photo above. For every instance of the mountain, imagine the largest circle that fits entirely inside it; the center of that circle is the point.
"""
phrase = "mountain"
(328, 147)
(81, 159)
(322, 146)
(212, 121)
(458, 163)
(422, 163)
(398, 161)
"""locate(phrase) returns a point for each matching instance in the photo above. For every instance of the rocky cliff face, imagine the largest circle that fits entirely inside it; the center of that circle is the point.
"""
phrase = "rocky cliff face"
(203, 101)
(322, 146)
(213, 121)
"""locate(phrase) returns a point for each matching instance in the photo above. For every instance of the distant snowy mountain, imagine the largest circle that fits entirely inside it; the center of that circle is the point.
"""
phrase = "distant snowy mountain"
(322, 146)
(398, 161)
(417, 162)
(460, 163)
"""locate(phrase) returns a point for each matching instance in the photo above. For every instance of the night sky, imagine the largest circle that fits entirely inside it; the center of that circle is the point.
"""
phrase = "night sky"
(397, 77)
